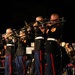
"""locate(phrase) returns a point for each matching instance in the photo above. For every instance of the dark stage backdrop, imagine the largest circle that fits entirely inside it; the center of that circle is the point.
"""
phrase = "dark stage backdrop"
(14, 13)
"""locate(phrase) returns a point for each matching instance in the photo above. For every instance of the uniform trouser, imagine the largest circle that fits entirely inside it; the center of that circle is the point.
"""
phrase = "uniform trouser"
(39, 63)
(8, 65)
(52, 57)
(27, 63)
(20, 65)
(52, 67)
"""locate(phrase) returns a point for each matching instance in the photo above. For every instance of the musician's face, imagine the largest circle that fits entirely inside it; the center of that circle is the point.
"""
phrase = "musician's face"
(9, 31)
(39, 19)
(54, 19)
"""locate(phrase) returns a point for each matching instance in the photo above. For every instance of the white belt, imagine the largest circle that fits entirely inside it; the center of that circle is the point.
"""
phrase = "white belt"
(53, 39)
(39, 37)
(10, 45)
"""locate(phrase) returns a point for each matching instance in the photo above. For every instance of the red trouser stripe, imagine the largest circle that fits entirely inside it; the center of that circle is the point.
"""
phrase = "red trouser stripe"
(41, 62)
(3, 63)
(24, 69)
(10, 64)
(53, 68)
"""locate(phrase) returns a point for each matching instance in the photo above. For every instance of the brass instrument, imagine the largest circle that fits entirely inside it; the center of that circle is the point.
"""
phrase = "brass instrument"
(7, 36)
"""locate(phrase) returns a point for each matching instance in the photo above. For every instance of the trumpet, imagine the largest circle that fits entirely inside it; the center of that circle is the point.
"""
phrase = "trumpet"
(7, 35)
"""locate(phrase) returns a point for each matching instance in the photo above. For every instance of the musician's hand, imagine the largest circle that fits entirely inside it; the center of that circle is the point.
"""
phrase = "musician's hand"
(5, 47)
(49, 24)
(47, 31)
(24, 41)
(5, 36)
(35, 24)
(10, 38)
(4, 56)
